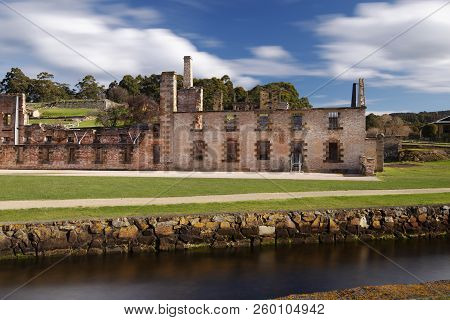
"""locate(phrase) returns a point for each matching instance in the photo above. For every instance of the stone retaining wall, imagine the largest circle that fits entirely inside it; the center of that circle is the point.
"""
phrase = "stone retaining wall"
(152, 234)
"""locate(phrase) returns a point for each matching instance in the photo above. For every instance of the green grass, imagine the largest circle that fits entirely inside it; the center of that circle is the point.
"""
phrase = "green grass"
(25, 187)
(244, 206)
(65, 112)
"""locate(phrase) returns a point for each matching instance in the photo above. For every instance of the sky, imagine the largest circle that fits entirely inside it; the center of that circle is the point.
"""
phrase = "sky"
(401, 47)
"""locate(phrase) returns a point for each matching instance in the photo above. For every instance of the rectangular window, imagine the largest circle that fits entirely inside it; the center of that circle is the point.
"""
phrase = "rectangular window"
(230, 123)
(263, 150)
(97, 138)
(72, 155)
(263, 122)
(48, 139)
(156, 154)
(198, 122)
(70, 139)
(333, 120)
(199, 150)
(156, 128)
(297, 122)
(446, 129)
(19, 154)
(333, 152)
(7, 119)
(44, 155)
(99, 155)
(123, 138)
(127, 154)
(232, 151)
(5, 140)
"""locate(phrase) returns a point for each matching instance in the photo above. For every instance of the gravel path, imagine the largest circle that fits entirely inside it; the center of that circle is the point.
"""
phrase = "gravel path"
(28, 204)
(193, 174)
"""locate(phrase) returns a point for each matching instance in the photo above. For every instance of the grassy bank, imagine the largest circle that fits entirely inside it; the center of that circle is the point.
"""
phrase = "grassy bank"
(431, 290)
(25, 187)
(244, 206)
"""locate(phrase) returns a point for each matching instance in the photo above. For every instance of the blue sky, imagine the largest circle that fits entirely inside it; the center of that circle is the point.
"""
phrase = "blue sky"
(306, 42)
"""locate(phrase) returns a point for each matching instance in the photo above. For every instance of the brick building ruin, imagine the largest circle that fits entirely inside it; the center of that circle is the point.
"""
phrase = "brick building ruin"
(268, 137)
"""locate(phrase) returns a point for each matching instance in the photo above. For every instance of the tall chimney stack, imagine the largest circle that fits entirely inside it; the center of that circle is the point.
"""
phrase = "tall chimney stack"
(354, 96)
(361, 94)
(187, 79)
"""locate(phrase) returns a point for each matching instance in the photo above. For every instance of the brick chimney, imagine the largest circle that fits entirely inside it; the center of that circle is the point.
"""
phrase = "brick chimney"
(187, 79)
(354, 96)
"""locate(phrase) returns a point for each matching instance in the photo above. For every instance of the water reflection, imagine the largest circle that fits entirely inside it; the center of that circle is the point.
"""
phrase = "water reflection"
(227, 274)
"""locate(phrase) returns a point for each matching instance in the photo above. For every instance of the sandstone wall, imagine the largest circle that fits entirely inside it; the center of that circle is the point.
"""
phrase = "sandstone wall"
(314, 137)
(153, 234)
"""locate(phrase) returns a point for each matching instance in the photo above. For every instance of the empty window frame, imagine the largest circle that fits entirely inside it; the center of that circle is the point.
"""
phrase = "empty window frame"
(156, 130)
(198, 122)
(72, 156)
(127, 154)
(199, 150)
(333, 120)
(20, 156)
(232, 151)
(297, 122)
(123, 138)
(333, 152)
(7, 119)
(156, 154)
(263, 122)
(263, 150)
(99, 155)
(230, 123)
(44, 155)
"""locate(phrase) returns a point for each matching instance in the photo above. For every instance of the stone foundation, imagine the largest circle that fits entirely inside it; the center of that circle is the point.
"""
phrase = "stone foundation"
(153, 234)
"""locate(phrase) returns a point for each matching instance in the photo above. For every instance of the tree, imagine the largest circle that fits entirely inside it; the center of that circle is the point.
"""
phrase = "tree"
(89, 88)
(150, 86)
(287, 93)
(113, 116)
(131, 84)
(141, 109)
(44, 89)
(240, 94)
(15, 81)
(430, 131)
(117, 94)
(372, 121)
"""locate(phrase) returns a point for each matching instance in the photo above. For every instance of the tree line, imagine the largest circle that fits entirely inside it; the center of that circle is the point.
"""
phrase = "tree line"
(44, 88)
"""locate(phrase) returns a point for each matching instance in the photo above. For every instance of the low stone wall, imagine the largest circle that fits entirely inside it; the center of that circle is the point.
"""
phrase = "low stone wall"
(152, 234)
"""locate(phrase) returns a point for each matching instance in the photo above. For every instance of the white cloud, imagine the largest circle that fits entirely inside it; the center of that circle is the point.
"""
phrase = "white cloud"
(112, 38)
(270, 52)
(418, 60)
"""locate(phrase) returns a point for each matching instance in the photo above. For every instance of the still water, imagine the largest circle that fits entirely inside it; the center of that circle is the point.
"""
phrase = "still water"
(227, 274)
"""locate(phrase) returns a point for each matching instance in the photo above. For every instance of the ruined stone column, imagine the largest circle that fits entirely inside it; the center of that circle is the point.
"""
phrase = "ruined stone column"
(187, 78)
(263, 100)
(361, 94)
(168, 105)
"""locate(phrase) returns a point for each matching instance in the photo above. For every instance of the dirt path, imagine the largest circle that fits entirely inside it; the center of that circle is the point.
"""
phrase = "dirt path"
(28, 204)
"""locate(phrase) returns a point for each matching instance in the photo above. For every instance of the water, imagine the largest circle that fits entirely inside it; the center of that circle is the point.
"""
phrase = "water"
(227, 274)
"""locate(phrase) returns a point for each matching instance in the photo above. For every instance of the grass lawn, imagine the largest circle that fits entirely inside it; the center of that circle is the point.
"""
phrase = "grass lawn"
(244, 206)
(65, 112)
(25, 187)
